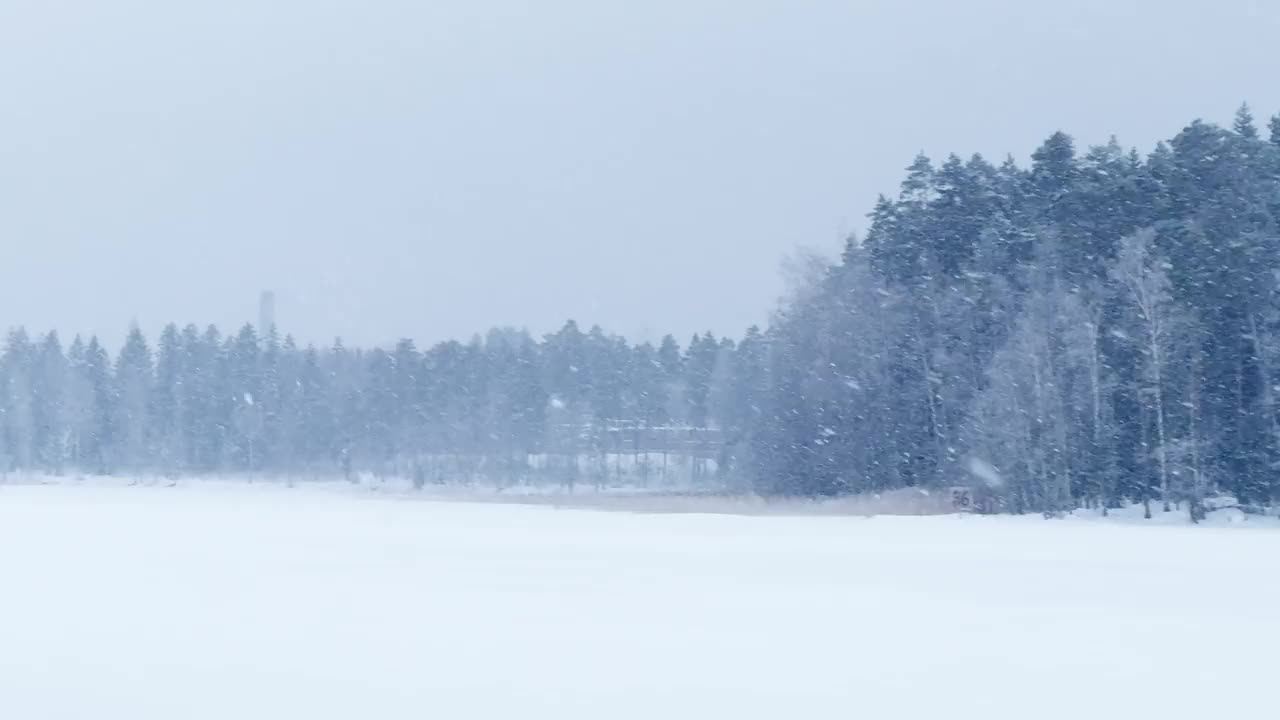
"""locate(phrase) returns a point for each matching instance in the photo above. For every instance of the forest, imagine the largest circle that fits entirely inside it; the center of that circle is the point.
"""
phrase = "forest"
(1096, 328)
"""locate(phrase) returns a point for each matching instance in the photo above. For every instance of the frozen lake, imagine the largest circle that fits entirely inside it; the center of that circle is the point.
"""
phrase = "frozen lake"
(221, 601)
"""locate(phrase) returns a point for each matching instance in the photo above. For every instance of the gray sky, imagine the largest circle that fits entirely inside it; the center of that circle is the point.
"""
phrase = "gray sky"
(432, 169)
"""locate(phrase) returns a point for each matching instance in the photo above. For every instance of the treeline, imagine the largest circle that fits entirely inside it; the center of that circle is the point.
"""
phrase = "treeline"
(505, 408)
(1098, 328)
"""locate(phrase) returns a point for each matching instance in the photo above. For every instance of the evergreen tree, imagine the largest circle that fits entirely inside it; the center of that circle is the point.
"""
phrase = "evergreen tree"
(1243, 124)
(134, 385)
(50, 383)
(80, 404)
(167, 412)
(99, 446)
(18, 448)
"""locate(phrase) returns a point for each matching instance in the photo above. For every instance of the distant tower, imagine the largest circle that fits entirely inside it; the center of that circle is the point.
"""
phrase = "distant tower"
(266, 313)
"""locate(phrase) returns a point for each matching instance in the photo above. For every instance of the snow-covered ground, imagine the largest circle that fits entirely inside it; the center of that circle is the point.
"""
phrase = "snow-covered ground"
(231, 601)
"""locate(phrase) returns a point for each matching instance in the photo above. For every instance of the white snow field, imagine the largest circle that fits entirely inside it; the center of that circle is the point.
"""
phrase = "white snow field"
(218, 601)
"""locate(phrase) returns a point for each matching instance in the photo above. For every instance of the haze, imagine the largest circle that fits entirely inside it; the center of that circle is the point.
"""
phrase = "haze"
(434, 169)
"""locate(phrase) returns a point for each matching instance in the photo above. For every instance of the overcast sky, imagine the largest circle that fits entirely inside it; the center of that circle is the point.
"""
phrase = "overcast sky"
(431, 169)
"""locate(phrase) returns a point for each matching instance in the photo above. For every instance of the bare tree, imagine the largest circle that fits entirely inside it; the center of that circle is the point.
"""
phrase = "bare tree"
(1142, 278)
(1021, 424)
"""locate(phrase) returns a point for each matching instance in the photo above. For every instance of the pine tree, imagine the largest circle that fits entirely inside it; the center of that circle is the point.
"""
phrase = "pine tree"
(166, 410)
(269, 399)
(699, 363)
(134, 385)
(80, 405)
(50, 381)
(316, 434)
(1243, 124)
(19, 432)
(99, 446)
(244, 354)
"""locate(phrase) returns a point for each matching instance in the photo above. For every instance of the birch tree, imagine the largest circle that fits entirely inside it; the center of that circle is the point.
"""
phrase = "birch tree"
(1142, 281)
